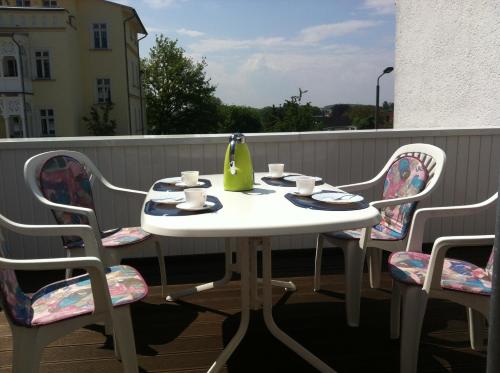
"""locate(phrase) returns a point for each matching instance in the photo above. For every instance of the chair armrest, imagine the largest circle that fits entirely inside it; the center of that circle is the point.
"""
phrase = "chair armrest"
(439, 250)
(123, 190)
(360, 186)
(399, 201)
(93, 265)
(85, 232)
(416, 235)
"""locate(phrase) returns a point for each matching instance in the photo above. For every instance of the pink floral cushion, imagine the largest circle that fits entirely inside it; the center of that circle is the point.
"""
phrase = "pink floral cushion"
(125, 236)
(65, 181)
(117, 237)
(489, 266)
(16, 304)
(73, 297)
(411, 268)
(377, 233)
(406, 177)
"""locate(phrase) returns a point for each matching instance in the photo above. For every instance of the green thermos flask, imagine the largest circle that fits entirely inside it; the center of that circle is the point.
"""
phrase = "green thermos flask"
(238, 169)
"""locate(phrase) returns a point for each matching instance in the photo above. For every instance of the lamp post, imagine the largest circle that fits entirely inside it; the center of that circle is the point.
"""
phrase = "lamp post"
(387, 70)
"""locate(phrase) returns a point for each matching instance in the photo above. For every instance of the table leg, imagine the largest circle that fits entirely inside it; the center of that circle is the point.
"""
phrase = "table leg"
(230, 268)
(210, 285)
(243, 255)
(268, 314)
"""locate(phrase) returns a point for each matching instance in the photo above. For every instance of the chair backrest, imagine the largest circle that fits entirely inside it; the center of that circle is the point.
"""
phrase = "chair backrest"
(63, 177)
(412, 169)
(15, 302)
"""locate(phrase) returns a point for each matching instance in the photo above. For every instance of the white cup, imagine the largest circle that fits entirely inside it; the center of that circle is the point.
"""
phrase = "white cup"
(276, 169)
(190, 178)
(305, 184)
(196, 197)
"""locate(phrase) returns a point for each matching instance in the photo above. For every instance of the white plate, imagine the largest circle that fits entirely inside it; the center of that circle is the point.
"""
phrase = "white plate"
(296, 192)
(171, 180)
(335, 197)
(183, 184)
(170, 198)
(293, 178)
(188, 207)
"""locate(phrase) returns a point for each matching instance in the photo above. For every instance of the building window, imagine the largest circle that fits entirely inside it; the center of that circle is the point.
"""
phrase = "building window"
(23, 3)
(9, 66)
(103, 91)
(47, 122)
(42, 60)
(100, 34)
(50, 3)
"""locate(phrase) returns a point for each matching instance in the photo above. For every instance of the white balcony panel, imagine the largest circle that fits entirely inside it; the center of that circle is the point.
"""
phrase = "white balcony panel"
(472, 174)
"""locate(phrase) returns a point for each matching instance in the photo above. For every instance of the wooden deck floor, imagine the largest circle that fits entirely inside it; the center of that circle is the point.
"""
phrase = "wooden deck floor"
(188, 336)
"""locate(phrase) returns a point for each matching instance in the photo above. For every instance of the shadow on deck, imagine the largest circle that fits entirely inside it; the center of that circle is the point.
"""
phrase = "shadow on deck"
(187, 336)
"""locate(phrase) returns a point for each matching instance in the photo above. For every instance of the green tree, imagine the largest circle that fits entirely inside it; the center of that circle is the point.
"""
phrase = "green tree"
(99, 122)
(179, 96)
(239, 119)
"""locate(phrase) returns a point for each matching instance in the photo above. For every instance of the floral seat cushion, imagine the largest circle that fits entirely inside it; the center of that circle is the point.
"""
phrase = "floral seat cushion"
(118, 237)
(73, 297)
(411, 268)
(66, 181)
(377, 233)
(406, 177)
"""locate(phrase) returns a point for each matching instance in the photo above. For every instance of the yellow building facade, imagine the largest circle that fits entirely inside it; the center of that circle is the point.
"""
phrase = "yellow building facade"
(61, 57)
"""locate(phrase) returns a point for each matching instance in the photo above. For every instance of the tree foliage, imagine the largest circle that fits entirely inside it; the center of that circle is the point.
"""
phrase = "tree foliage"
(291, 117)
(236, 118)
(179, 96)
(99, 122)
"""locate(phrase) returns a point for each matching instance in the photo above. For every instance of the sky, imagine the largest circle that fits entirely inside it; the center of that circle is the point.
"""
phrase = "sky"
(260, 52)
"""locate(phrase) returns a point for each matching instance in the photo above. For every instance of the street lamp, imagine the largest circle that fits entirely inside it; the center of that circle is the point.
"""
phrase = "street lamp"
(387, 70)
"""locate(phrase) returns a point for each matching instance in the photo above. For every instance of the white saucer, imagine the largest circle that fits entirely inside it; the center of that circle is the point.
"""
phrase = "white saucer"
(188, 207)
(336, 197)
(170, 198)
(275, 177)
(293, 178)
(183, 184)
(171, 180)
(296, 192)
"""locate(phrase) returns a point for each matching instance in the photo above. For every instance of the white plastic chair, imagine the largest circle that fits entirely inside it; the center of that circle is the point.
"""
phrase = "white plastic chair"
(39, 319)
(118, 243)
(355, 243)
(438, 277)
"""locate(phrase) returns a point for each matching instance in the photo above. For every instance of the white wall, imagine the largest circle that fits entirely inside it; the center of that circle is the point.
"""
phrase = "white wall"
(447, 63)
(341, 157)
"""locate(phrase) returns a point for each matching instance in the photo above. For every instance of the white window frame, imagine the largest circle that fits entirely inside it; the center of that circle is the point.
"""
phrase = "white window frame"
(50, 122)
(100, 27)
(103, 91)
(43, 58)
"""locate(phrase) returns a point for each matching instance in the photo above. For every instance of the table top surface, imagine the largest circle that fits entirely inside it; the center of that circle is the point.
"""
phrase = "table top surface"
(264, 211)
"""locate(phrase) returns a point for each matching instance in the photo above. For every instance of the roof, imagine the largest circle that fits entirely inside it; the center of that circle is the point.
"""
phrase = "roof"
(144, 31)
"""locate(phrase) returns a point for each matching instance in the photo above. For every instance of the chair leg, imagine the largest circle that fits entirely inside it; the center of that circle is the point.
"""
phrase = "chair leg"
(69, 271)
(395, 310)
(477, 327)
(354, 257)
(163, 271)
(414, 305)
(317, 262)
(374, 266)
(124, 338)
(27, 351)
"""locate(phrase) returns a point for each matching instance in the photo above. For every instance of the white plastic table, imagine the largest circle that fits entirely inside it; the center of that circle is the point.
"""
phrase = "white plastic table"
(251, 218)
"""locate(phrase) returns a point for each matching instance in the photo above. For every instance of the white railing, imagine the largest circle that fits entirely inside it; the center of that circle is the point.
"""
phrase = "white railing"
(473, 163)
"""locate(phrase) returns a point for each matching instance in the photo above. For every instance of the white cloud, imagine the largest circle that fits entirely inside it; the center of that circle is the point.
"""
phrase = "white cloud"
(306, 37)
(191, 33)
(162, 3)
(339, 75)
(318, 33)
(124, 2)
(157, 30)
(213, 45)
(380, 6)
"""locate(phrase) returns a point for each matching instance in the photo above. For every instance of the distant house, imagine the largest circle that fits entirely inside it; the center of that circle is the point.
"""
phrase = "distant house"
(61, 57)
